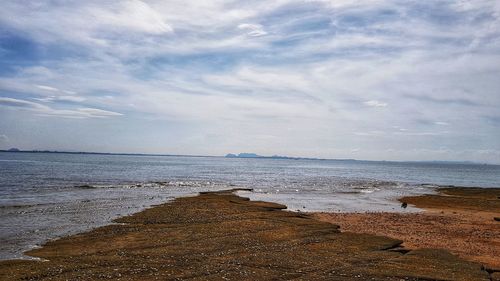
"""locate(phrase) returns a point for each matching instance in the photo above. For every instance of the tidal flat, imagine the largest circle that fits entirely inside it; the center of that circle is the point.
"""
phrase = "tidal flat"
(222, 236)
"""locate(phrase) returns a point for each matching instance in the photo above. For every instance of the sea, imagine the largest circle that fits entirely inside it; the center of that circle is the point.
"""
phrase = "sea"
(45, 196)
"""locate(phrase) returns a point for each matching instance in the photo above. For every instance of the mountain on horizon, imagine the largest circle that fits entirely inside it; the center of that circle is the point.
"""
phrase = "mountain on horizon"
(244, 155)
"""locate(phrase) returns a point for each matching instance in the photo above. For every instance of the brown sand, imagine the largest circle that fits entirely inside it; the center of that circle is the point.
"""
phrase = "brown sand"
(220, 236)
(460, 220)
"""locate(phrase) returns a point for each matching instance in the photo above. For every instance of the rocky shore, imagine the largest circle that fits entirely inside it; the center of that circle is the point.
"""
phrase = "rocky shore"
(221, 236)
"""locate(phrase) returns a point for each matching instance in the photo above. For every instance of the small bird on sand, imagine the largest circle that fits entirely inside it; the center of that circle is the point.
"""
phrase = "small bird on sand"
(404, 205)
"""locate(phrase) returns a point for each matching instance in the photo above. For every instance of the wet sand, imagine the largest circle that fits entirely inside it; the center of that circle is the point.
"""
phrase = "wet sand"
(221, 236)
(461, 220)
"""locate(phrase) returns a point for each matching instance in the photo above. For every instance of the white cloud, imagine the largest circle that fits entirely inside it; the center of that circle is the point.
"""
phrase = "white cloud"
(254, 78)
(44, 110)
(375, 103)
(52, 89)
(47, 88)
(22, 104)
(94, 112)
(62, 98)
(254, 30)
(353, 3)
(132, 15)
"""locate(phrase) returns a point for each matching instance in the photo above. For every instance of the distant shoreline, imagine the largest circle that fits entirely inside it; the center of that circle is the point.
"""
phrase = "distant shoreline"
(275, 157)
(104, 153)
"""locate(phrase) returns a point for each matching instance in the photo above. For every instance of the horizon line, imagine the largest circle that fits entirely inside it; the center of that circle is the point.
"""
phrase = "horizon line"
(276, 157)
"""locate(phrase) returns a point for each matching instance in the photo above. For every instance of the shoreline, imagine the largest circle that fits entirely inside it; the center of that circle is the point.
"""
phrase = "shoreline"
(39, 222)
(218, 235)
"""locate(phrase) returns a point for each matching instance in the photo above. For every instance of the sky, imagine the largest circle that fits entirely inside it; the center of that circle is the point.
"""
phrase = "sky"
(373, 79)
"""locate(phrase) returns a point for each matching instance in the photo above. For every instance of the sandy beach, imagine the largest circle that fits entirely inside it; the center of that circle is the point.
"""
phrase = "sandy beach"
(460, 220)
(221, 236)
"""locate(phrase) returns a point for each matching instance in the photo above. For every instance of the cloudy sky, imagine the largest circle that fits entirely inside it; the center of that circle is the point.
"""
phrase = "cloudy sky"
(374, 79)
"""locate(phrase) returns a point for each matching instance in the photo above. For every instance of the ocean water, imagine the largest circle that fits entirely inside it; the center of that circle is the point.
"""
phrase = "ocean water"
(46, 195)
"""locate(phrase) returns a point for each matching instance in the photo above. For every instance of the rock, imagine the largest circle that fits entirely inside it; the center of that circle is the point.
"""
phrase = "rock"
(192, 236)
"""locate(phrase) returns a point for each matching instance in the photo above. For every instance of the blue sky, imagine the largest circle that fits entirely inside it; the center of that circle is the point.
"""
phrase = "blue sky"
(375, 79)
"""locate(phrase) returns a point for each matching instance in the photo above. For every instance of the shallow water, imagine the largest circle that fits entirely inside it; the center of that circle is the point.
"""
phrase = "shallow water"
(46, 195)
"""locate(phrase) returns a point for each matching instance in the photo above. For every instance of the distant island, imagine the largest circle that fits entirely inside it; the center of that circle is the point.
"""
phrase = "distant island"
(254, 155)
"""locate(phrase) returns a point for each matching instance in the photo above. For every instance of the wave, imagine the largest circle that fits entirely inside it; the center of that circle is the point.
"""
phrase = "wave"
(158, 184)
